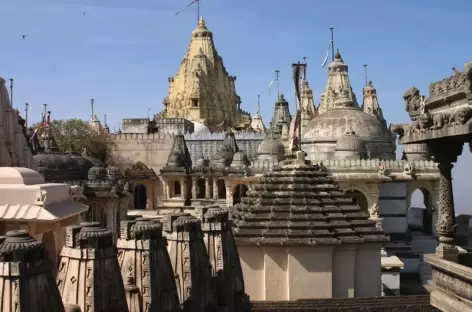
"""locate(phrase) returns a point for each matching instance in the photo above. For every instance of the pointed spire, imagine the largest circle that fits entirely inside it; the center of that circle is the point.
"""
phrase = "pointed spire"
(201, 22)
(338, 80)
(370, 103)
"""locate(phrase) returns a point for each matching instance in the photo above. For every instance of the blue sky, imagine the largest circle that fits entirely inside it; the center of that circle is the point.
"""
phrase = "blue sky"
(121, 52)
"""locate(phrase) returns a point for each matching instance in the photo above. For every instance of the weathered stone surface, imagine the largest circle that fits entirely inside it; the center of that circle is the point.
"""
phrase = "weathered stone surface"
(146, 268)
(298, 204)
(26, 276)
(378, 304)
(224, 259)
(190, 263)
(88, 274)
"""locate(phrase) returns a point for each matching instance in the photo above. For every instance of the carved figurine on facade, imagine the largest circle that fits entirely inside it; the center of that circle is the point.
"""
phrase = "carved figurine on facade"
(374, 211)
(412, 100)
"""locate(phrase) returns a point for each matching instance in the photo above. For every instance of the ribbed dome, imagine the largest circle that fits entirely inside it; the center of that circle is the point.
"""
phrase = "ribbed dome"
(239, 160)
(97, 173)
(350, 142)
(271, 146)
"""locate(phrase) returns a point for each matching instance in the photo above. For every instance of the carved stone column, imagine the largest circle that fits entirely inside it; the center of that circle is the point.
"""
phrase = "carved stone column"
(229, 197)
(215, 188)
(194, 187)
(183, 188)
(445, 153)
(207, 188)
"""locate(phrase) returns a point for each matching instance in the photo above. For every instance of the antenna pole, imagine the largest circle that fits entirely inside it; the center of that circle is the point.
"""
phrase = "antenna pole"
(332, 43)
(277, 80)
(365, 74)
(26, 115)
(11, 91)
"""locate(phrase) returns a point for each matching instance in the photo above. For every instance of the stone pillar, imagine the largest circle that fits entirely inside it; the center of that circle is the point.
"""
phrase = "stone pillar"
(194, 187)
(190, 262)
(207, 188)
(224, 259)
(215, 188)
(183, 189)
(445, 153)
(229, 197)
(99, 274)
(143, 257)
(27, 275)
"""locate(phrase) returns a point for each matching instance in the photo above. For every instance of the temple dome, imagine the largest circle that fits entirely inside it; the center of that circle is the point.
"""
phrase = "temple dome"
(239, 160)
(350, 146)
(334, 123)
(270, 146)
(62, 167)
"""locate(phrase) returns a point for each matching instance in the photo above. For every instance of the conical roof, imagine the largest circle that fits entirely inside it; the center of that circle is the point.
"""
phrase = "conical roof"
(299, 204)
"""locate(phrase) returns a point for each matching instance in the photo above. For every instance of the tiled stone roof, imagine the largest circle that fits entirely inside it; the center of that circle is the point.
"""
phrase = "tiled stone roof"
(299, 204)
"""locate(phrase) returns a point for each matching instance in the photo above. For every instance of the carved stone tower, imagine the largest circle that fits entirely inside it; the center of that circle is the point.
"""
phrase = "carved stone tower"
(27, 276)
(89, 275)
(370, 103)
(338, 80)
(224, 259)
(190, 262)
(309, 111)
(146, 268)
(202, 90)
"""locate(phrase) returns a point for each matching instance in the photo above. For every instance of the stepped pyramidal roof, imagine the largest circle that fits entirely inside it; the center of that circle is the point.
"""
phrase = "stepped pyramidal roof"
(298, 204)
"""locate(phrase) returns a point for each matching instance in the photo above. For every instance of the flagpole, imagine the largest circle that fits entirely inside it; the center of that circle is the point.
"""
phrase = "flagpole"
(365, 74)
(258, 103)
(198, 11)
(11, 92)
(277, 80)
(332, 43)
(26, 115)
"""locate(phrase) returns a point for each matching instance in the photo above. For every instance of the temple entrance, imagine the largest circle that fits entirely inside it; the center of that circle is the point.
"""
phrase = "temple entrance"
(201, 187)
(140, 197)
(239, 192)
(50, 243)
(221, 189)
(177, 189)
(420, 212)
(359, 199)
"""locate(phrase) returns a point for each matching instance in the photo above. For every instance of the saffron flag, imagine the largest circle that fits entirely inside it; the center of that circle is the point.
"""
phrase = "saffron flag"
(327, 54)
(45, 123)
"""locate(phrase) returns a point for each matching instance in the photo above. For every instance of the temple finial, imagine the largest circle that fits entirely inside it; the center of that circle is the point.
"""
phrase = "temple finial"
(201, 22)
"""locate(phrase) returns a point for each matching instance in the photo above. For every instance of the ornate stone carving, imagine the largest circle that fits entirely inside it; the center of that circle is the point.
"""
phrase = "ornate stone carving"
(143, 247)
(408, 170)
(374, 210)
(98, 272)
(190, 263)
(440, 120)
(462, 116)
(445, 153)
(27, 276)
(224, 258)
(412, 100)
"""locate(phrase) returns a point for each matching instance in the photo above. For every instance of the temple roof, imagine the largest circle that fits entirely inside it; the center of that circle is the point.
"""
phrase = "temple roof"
(299, 204)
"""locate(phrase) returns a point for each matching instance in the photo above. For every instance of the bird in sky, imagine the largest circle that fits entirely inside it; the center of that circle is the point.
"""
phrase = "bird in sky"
(85, 13)
(24, 36)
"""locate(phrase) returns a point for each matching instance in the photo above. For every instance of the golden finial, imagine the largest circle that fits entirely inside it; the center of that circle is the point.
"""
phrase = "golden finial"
(201, 23)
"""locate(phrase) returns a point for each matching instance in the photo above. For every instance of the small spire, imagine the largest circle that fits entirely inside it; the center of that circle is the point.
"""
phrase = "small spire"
(201, 22)
(338, 56)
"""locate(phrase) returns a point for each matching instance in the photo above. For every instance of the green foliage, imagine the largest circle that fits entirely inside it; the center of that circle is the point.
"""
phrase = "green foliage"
(76, 135)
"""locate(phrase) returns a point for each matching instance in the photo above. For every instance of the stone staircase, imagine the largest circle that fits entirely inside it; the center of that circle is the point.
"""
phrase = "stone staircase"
(423, 244)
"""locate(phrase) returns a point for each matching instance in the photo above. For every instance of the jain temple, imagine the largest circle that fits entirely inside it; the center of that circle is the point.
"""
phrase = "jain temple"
(218, 210)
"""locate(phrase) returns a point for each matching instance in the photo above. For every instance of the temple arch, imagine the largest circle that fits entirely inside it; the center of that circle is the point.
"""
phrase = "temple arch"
(140, 196)
(240, 191)
(421, 198)
(359, 199)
